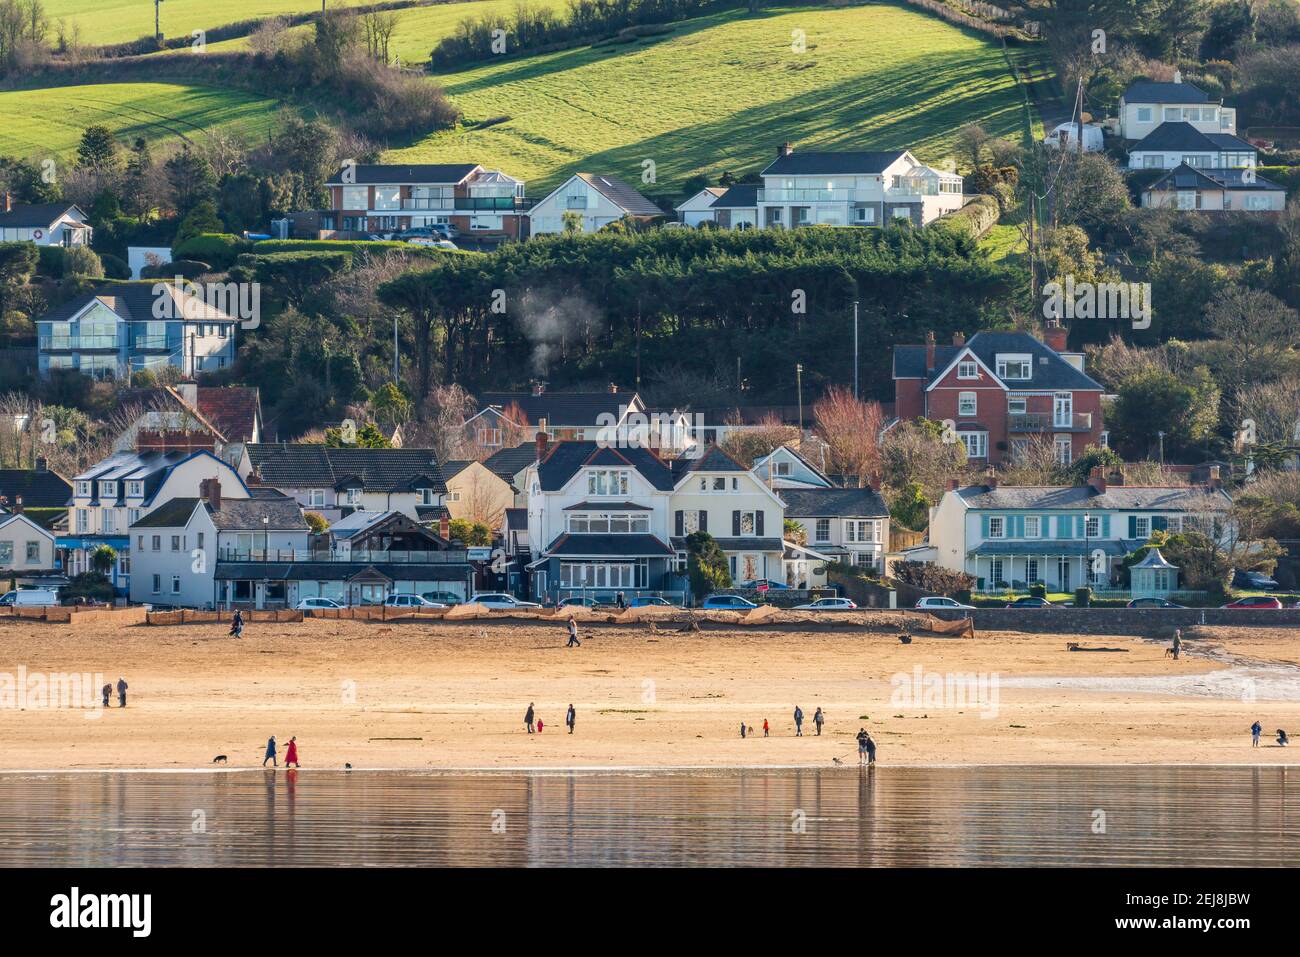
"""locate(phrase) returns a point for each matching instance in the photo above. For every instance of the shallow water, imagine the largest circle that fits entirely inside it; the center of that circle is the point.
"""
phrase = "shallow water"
(1100, 816)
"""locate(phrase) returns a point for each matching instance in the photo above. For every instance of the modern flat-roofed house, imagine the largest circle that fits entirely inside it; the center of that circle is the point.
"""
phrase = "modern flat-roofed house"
(1066, 536)
(116, 331)
(335, 482)
(597, 199)
(848, 524)
(368, 199)
(737, 208)
(1148, 103)
(1189, 188)
(1171, 145)
(854, 189)
(1001, 391)
(45, 224)
(699, 208)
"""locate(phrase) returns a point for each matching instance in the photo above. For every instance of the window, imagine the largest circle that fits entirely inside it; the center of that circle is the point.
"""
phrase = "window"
(997, 526)
(691, 521)
(748, 523)
(139, 542)
(610, 575)
(611, 523)
(200, 542)
(860, 531)
(1201, 160)
(1142, 528)
(108, 490)
(977, 444)
(966, 403)
(1092, 527)
(352, 496)
(1019, 450)
(783, 468)
(176, 543)
(83, 520)
(1017, 404)
(1153, 161)
(453, 496)
(607, 482)
(316, 496)
(176, 584)
(6, 553)
(1013, 367)
(1064, 450)
(1173, 114)
(1189, 199)
(996, 573)
(968, 370)
(157, 584)
(134, 489)
(1032, 526)
(109, 521)
(83, 490)
(823, 532)
(356, 197)
(429, 497)
(489, 437)
(1031, 571)
(157, 543)
(865, 214)
(132, 516)
(1144, 114)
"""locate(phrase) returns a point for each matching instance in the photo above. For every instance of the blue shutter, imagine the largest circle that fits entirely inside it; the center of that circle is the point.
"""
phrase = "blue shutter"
(1063, 526)
(1132, 526)
(1078, 526)
(1105, 526)
(984, 525)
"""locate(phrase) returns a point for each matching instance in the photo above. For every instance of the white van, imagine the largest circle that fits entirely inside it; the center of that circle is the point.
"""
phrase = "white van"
(31, 597)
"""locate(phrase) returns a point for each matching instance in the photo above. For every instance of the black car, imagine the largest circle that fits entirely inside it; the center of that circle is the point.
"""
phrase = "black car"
(1253, 581)
(1153, 603)
(1030, 601)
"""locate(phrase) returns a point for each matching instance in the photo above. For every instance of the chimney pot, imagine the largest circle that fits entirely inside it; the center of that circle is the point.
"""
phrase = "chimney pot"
(959, 338)
(785, 149)
(929, 352)
(991, 480)
(538, 387)
(18, 504)
(543, 442)
(613, 388)
(1097, 479)
(1056, 336)
(1216, 479)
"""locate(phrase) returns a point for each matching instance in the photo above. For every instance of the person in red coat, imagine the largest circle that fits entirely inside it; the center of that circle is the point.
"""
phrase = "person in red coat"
(291, 753)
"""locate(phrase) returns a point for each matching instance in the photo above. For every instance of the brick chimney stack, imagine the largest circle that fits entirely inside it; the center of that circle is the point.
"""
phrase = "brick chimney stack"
(543, 441)
(959, 338)
(1097, 479)
(538, 387)
(613, 389)
(18, 504)
(444, 527)
(991, 480)
(1216, 479)
(785, 149)
(953, 484)
(210, 492)
(874, 482)
(9, 203)
(1055, 336)
(929, 352)
(42, 465)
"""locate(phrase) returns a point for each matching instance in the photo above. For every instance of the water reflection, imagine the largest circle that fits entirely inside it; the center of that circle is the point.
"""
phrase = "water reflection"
(839, 817)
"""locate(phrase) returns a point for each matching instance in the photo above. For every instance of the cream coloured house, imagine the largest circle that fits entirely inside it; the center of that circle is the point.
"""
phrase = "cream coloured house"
(477, 494)
(25, 547)
(596, 201)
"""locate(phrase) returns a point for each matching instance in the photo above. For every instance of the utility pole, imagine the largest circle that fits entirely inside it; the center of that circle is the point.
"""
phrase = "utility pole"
(855, 348)
(1162, 448)
(157, 31)
(396, 365)
(798, 374)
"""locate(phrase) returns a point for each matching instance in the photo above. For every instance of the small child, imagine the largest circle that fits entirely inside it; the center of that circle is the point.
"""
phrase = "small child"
(765, 727)
(539, 725)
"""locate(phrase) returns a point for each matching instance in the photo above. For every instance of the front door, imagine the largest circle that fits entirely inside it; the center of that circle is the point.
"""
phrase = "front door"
(1063, 573)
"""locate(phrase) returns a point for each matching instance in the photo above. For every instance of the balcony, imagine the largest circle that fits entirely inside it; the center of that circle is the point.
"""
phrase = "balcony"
(499, 203)
(78, 343)
(437, 203)
(817, 195)
(152, 344)
(1047, 422)
(357, 556)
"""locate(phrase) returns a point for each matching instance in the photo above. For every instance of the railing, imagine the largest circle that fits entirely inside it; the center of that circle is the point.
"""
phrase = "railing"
(506, 203)
(1047, 422)
(355, 556)
(428, 203)
(146, 343)
(609, 596)
(55, 343)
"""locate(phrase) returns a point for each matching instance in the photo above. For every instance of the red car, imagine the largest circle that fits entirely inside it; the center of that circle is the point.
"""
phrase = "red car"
(1255, 601)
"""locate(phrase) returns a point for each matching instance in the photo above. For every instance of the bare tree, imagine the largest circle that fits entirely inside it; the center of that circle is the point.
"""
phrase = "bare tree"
(850, 428)
(745, 443)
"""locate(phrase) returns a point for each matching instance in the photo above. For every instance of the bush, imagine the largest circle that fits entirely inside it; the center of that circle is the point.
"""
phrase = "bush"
(51, 261)
(1082, 596)
(219, 249)
(977, 217)
(1038, 590)
(932, 578)
(88, 585)
(82, 261)
(114, 266)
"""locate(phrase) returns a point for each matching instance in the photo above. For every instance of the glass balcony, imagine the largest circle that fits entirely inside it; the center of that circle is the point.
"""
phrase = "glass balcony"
(427, 203)
(74, 343)
(1047, 422)
(356, 556)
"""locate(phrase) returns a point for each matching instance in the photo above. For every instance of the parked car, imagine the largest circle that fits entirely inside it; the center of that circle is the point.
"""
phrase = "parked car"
(434, 241)
(760, 582)
(576, 601)
(1030, 601)
(828, 604)
(937, 601)
(1153, 603)
(309, 603)
(733, 602)
(446, 229)
(644, 601)
(442, 597)
(501, 600)
(1255, 601)
(1253, 581)
(28, 597)
(411, 601)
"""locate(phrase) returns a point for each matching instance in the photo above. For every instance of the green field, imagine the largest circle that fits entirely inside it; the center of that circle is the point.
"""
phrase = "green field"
(37, 123)
(722, 92)
(118, 21)
(1003, 242)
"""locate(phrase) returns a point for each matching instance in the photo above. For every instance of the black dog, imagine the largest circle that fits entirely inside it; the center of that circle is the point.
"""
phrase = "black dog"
(219, 759)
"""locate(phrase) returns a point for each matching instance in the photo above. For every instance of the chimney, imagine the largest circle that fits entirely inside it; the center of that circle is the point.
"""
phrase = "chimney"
(785, 149)
(1216, 481)
(1116, 477)
(214, 494)
(953, 484)
(18, 504)
(543, 442)
(538, 387)
(991, 480)
(9, 203)
(1097, 479)
(959, 338)
(444, 527)
(874, 482)
(929, 352)
(42, 465)
(613, 389)
(1055, 336)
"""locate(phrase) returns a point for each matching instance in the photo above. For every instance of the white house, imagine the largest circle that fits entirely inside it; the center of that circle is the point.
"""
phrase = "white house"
(111, 496)
(847, 524)
(1064, 536)
(785, 468)
(46, 224)
(1172, 144)
(1146, 104)
(1214, 189)
(854, 189)
(563, 416)
(699, 208)
(737, 208)
(1066, 136)
(25, 547)
(598, 199)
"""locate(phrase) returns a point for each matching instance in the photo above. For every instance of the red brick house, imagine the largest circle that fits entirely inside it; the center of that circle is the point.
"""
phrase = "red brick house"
(1000, 392)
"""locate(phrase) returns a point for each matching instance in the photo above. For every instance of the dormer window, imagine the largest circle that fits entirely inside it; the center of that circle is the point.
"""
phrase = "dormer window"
(968, 369)
(352, 496)
(1014, 367)
(108, 490)
(134, 489)
(608, 482)
(427, 496)
(83, 490)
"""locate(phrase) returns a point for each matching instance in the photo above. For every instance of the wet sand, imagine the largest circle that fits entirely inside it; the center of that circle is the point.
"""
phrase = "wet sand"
(352, 691)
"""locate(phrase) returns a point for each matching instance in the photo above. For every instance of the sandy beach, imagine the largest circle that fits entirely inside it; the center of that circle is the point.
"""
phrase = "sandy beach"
(440, 695)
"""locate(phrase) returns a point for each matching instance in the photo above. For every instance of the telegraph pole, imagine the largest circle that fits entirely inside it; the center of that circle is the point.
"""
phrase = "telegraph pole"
(157, 31)
(396, 365)
(855, 348)
(798, 373)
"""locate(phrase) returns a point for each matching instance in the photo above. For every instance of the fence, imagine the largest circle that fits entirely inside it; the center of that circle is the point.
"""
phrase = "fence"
(70, 614)
(193, 616)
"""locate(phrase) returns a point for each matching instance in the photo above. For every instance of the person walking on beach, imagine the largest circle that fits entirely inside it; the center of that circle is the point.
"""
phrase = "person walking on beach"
(1256, 730)
(1178, 642)
(270, 753)
(818, 720)
(798, 721)
(570, 718)
(528, 718)
(573, 634)
(863, 737)
(765, 727)
(237, 624)
(108, 693)
(742, 729)
(871, 748)
(291, 753)
(539, 725)
(622, 602)
(1282, 739)
(121, 692)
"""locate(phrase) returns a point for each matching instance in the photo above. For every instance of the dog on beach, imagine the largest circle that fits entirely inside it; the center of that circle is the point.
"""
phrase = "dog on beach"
(836, 761)
(1169, 652)
(219, 759)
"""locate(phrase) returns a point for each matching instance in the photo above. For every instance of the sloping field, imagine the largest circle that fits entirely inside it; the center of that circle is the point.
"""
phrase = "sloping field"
(118, 21)
(722, 92)
(51, 120)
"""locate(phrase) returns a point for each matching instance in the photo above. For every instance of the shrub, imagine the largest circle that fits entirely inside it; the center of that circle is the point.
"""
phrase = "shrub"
(88, 585)
(932, 578)
(51, 261)
(1082, 596)
(219, 249)
(82, 261)
(1038, 590)
(977, 217)
(114, 266)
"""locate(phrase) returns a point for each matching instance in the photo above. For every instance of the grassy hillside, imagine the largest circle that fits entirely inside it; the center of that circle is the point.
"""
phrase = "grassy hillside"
(45, 121)
(117, 21)
(721, 92)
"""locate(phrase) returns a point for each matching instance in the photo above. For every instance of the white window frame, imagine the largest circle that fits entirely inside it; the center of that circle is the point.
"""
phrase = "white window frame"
(1142, 527)
(1023, 360)
(997, 526)
(1033, 526)
(967, 404)
(1064, 449)
(968, 369)
(977, 444)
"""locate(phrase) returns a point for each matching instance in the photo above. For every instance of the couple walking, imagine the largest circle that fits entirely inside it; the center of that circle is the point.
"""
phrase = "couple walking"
(290, 753)
(570, 719)
(107, 692)
(818, 719)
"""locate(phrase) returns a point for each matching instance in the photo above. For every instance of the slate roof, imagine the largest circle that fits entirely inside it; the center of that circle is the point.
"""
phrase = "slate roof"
(1055, 374)
(341, 571)
(1184, 137)
(1050, 547)
(1120, 497)
(608, 546)
(607, 507)
(151, 466)
(620, 194)
(508, 463)
(236, 514)
(385, 174)
(134, 302)
(741, 196)
(172, 514)
(833, 502)
(749, 544)
(1150, 91)
(37, 489)
(287, 465)
(38, 216)
(831, 164)
(233, 409)
(714, 459)
(517, 519)
(1191, 177)
(455, 467)
(561, 409)
(760, 469)
(564, 459)
(714, 191)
